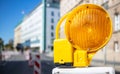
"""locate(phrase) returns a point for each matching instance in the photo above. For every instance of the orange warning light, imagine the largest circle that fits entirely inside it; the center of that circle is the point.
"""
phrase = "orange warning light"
(89, 27)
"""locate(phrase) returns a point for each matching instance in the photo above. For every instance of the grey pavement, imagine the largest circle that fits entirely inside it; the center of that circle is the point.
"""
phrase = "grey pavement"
(20, 57)
(46, 57)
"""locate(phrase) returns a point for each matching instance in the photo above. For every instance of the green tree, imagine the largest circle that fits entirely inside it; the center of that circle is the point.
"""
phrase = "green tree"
(9, 47)
(1, 44)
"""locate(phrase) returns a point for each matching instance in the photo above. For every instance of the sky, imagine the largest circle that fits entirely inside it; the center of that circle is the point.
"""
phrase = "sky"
(11, 13)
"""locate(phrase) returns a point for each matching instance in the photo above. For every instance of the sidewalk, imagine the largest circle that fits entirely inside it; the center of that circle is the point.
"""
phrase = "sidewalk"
(100, 63)
(49, 54)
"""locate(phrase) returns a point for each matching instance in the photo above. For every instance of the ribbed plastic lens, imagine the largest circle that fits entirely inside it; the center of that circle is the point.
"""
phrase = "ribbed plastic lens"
(90, 28)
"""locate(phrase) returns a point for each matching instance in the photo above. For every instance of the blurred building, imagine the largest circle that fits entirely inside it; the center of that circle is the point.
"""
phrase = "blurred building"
(111, 55)
(17, 35)
(11, 41)
(31, 30)
(53, 1)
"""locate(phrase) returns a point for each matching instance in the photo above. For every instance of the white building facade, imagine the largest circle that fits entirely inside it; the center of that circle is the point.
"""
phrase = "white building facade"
(32, 28)
(52, 17)
(17, 35)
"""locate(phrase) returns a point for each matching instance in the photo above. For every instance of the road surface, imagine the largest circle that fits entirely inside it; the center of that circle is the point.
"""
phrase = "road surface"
(18, 64)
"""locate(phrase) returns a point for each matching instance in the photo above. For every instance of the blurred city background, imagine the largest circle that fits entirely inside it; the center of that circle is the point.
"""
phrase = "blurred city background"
(34, 31)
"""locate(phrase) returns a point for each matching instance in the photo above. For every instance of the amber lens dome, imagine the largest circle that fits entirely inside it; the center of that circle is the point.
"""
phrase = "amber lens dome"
(90, 27)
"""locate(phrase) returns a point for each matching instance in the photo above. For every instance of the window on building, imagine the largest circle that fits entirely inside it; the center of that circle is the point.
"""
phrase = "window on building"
(52, 27)
(52, 40)
(87, 1)
(105, 5)
(58, 20)
(116, 46)
(117, 22)
(52, 20)
(104, 49)
(52, 34)
(51, 48)
(52, 13)
(95, 1)
(55, 1)
(105, 1)
(59, 14)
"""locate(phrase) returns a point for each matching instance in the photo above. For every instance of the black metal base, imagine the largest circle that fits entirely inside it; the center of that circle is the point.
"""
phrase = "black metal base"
(65, 65)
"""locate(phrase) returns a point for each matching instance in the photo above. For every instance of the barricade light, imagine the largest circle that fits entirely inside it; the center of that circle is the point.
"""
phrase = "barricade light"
(87, 29)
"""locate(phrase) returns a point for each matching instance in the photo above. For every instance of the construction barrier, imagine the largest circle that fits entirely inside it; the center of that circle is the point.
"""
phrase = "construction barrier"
(27, 55)
(37, 64)
(31, 61)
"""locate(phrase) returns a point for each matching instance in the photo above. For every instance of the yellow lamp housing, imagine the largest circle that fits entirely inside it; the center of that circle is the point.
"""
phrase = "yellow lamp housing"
(63, 50)
(88, 28)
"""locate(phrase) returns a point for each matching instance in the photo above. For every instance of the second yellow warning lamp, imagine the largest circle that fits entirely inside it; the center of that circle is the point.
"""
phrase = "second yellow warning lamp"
(87, 29)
